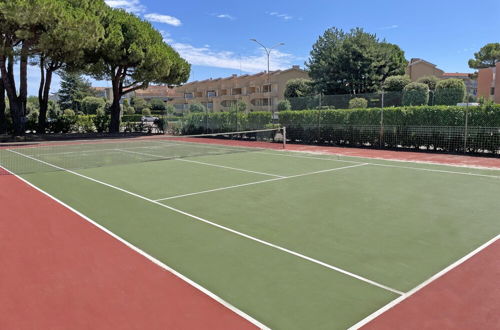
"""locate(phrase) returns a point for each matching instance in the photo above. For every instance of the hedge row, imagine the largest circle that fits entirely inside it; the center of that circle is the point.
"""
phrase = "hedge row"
(436, 127)
(222, 122)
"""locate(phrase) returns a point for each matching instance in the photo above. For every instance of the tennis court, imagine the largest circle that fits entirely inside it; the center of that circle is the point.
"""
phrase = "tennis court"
(294, 240)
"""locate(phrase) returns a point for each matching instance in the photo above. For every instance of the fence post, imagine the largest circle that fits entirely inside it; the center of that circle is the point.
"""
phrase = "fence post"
(206, 120)
(284, 137)
(381, 137)
(466, 128)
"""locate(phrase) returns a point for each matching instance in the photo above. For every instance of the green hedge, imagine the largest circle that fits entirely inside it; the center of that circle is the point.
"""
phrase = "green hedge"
(436, 127)
(223, 122)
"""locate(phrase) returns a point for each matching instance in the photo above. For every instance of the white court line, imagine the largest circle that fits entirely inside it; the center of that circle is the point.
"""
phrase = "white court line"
(229, 168)
(422, 285)
(101, 150)
(141, 153)
(148, 256)
(203, 163)
(263, 181)
(388, 165)
(277, 247)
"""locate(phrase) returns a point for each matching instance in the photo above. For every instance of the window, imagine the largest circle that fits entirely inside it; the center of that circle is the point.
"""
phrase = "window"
(228, 103)
(223, 92)
(261, 102)
(236, 91)
(210, 105)
(188, 95)
(492, 91)
(211, 94)
(266, 88)
(180, 106)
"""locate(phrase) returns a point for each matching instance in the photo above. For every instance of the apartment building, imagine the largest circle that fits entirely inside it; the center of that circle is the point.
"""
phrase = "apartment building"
(152, 92)
(418, 68)
(488, 83)
(260, 92)
(470, 84)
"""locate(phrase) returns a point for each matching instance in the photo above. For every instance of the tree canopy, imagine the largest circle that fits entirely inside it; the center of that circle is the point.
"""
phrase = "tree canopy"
(487, 56)
(299, 87)
(396, 83)
(133, 55)
(353, 62)
(75, 29)
(74, 88)
(82, 36)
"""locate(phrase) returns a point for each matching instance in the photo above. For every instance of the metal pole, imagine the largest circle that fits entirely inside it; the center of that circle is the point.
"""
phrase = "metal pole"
(381, 137)
(206, 118)
(284, 137)
(466, 129)
(269, 84)
(268, 52)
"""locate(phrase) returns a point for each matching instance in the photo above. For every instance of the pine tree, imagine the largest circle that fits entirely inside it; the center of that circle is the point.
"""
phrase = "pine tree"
(74, 88)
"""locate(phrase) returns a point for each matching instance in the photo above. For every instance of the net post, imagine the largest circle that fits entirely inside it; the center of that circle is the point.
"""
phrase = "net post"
(284, 137)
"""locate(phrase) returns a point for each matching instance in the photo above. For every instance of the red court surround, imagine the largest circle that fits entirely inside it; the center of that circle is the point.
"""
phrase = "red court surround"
(58, 271)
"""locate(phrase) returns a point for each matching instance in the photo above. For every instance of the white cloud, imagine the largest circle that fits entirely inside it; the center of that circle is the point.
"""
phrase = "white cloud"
(389, 27)
(133, 6)
(286, 17)
(167, 37)
(163, 19)
(205, 56)
(226, 16)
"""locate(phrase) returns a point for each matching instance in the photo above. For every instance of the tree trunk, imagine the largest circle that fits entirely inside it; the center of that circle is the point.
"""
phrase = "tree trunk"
(23, 79)
(16, 111)
(43, 96)
(3, 119)
(114, 125)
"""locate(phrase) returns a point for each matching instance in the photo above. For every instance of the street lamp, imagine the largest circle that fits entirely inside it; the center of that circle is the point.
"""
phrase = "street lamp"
(268, 52)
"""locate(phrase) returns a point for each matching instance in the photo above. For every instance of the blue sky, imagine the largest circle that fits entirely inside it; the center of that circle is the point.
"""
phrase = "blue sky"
(214, 35)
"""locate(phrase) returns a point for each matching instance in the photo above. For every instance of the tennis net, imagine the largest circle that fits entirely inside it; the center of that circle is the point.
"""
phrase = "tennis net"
(81, 154)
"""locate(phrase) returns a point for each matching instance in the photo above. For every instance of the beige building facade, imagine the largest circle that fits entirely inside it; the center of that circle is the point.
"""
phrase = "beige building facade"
(260, 92)
(418, 68)
(488, 83)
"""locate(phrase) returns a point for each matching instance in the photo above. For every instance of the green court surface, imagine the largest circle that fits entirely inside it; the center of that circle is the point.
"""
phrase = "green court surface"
(295, 240)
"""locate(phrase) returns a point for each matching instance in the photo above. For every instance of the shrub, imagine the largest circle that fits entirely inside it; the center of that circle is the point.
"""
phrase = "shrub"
(32, 121)
(170, 109)
(298, 88)
(138, 104)
(128, 110)
(68, 113)
(439, 127)
(430, 81)
(146, 112)
(157, 105)
(449, 92)
(416, 94)
(161, 123)
(101, 121)
(91, 104)
(358, 102)
(63, 124)
(284, 105)
(220, 122)
(85, 124)
(396, 83)
(196, 107)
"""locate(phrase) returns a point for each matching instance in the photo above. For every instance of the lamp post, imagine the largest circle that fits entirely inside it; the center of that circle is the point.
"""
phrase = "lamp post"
(268, 52)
